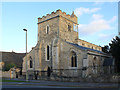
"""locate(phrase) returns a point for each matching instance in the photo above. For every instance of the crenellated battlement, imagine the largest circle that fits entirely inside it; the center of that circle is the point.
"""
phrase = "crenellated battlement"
(58, 12)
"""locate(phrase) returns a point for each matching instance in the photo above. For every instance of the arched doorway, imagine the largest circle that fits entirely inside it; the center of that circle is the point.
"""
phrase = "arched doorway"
(36, 73)
(48, 71)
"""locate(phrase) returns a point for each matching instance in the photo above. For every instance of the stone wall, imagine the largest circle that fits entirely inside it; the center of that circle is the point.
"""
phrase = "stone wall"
(12, 58)
(89, 45)
(53, 30)
(64, 33)
(8, 74)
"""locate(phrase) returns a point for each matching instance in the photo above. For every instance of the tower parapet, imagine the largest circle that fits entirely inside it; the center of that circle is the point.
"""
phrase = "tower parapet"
(58, 13)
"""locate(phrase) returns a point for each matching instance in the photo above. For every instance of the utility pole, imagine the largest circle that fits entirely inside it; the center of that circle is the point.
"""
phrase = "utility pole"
(26, 56)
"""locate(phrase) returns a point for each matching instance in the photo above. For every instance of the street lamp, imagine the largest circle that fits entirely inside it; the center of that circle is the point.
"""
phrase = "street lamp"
(26, 55)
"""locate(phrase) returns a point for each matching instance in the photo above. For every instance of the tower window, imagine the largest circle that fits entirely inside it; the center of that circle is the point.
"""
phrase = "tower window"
(69, 28)
(47, 29)
(75, 27)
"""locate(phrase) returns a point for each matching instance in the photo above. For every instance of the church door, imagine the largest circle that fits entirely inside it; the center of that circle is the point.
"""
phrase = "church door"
(48, 72)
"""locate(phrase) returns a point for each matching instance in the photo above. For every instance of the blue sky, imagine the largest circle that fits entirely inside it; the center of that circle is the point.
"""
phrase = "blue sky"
(98, 22)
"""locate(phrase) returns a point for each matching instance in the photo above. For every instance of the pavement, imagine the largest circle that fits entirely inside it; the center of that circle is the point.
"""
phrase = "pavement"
(60, 84)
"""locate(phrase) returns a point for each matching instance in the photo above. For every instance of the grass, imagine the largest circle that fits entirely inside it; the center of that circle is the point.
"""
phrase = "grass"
(13, 81)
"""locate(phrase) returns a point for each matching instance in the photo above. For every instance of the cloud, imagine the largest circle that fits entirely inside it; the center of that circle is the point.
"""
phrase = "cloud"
(98, 3)
(96, 25)
(113, 19)
(97, 16)
(81, 10)
(106, 37)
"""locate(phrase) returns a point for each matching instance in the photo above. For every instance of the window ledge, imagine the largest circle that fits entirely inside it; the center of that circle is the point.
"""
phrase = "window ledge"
(73, 67)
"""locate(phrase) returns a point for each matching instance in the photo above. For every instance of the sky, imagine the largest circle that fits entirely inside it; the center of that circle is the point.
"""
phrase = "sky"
(98, 22)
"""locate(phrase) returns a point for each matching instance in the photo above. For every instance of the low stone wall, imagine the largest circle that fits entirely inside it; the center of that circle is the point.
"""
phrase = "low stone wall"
(91, 78)
(100, 79)
(0, 73)
(60, 75)
(8, 74)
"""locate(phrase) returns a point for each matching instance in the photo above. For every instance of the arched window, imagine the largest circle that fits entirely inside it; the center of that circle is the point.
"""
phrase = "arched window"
(94, 61)
(94, 58)
(47, 29)
(92, 47)
(31, 65)
(69, 28)
(83, 44)
(73, 59)
(48, 53)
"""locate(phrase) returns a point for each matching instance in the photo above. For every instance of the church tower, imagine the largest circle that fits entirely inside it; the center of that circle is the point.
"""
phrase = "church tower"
(58, 25)
(51, 29)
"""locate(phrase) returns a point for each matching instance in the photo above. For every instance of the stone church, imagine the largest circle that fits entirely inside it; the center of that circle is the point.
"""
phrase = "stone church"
(59, 48)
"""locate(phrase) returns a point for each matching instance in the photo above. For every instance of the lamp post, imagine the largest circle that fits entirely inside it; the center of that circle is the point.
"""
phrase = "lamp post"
(26, 55)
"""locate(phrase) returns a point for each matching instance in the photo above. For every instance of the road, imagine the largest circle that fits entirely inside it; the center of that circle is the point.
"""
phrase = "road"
(60, 85)
(53, 87)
